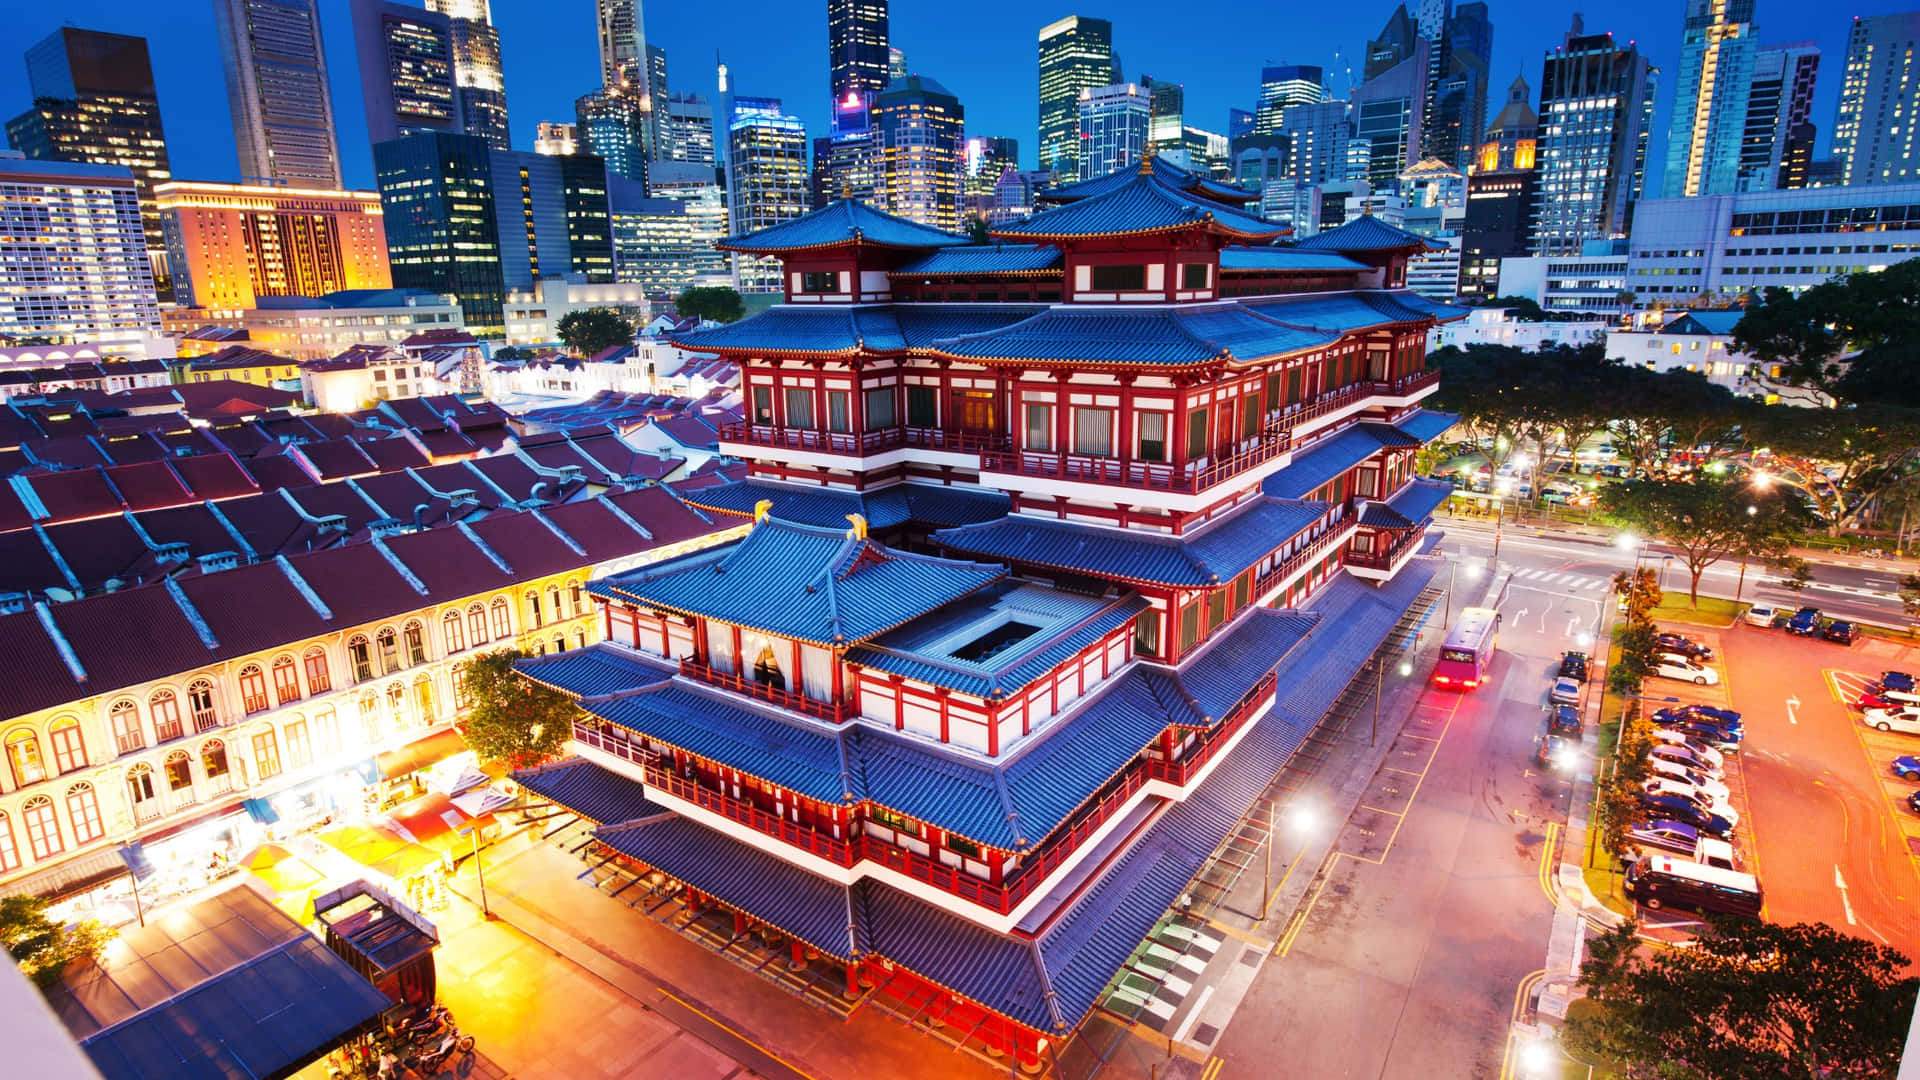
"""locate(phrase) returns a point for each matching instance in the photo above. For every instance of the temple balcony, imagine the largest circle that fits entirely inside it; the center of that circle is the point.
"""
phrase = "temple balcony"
(1320, 414)
(1288, 571)
(884, 446)
(1391, 552)
(1014, 468)
(832, 712)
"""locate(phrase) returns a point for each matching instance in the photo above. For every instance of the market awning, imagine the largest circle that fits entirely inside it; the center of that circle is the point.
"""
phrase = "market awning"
(379, 849)
(419, 754)
(261, 811)
(432, 821)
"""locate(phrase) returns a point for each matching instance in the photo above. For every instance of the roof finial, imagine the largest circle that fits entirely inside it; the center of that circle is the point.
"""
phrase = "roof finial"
(859, 530)
(1146, 164)
(761, 509)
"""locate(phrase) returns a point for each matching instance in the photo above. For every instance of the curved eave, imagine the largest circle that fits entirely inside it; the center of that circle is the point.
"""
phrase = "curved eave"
(1057, 362)
(733, 243)
(1214, 584)
(1054, 272)
(1208, 223)
(738, 352)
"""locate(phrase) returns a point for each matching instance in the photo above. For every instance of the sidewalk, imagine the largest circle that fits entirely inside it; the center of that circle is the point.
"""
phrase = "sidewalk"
(1601, 536)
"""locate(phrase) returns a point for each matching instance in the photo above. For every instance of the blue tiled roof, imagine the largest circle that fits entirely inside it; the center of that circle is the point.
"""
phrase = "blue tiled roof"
(1427, 425)
(1212, 555)
(1167, 336)
(1407, 306)
(791, 753)
(905, 651)
(843, 221)
(585, 673)
(1418, 500)
(804, 582)
(1284, 258)
(1143, 204)
(1329, 458)
(598, 794)
(1366, 233)
(1000, 972)
(984, 259)
(773, 890)
(1163, 170)
(832, 330)
(928, 504)
(1379, 515)
(1336, 313)
(1222, 672)
(951, 791)
(1355, 617)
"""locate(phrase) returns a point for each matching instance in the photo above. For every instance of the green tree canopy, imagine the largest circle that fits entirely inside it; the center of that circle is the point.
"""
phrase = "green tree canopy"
(1867, 449)
(588, 331)
(1705, 519)
(42, 947)
(513, 719)
(716, 302)
(1811, 332)
(1523, 308)
(1750, 1000)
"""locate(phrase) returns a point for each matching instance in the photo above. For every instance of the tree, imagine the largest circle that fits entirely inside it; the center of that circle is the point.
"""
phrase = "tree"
(1798, 574)
(1640, 588)
(1704, 518)
(1625, 675)
(1910, 600)
(1522, 308)
(1749, 1000)
(1867, 448)
(588, 331)
(716, 302)
(43, 948)
(1811, 334)
(513, 719)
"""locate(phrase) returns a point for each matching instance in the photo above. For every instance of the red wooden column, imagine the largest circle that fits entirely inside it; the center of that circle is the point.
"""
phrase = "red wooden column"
(853, 978)
(1123, 441)
(799, 959)
(1179, 421)
(1062, 423)
(739, 924)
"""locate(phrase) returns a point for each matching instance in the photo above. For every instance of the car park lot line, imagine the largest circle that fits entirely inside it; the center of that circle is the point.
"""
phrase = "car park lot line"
(1880, 748)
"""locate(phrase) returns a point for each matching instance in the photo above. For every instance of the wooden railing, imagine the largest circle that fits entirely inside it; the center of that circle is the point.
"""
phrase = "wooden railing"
(1189, 765)
(1298, 559)
(619, 748)
(1335, 400)
(832, 712)
(825, 442)
(1126, 472)
(832, 848)
(1383, 560)
(959, 442)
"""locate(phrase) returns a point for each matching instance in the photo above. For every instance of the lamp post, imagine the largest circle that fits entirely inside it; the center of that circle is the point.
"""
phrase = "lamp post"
(1301, 818)
(1752, 511)
(480, 872)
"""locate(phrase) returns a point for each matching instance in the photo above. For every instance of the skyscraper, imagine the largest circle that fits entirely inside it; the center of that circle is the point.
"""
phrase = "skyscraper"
(1289, 84)
(1875, 140)
(1167, 100)
(896, 63)
(766, 180)
(686, 130)
(1319, 133)
(1710, 99)
(1389, 106)
(1114, 121)
(1502, 196)
(1076, 54)
(277, 91)
(1459, 96)
(406, 70)
(85, 277)
(230, 244)
(94, 103)
(480, 85)
(623, 43)
(437, 196)
(556, 137)
(616, 123)
(551, 217)
(919, 128)
(857, 51)
(1596, 111)
(985, 159)
(846, 160)
(1779, 102)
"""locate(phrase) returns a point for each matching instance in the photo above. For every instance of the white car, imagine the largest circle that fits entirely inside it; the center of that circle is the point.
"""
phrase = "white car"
(1686, 758)
(1675, 666)
(1906, 721)
(1660, 785)
(1707, 785)
(1761, 615)
(1706, 754)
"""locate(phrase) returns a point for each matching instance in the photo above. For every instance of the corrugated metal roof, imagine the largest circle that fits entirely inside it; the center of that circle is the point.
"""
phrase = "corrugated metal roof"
(1145, 203)
(1220, 674)
(983, 259)
(843, 221)
(1366, 233)
(1284, 258)
(793, 754)
(590, 672)
(598, 794)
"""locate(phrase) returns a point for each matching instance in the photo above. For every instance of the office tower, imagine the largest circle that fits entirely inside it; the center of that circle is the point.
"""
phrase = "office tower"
(686, 130)
(1779, 102)
(1239, 122)
(623, 44)
(1076, 55)
(1874, 126)
(1318, 135)
(1289, 84)
(1390, 104)
(664, 241)
(277, 91)
(616, 124)
(1167, 102)
(1596, 111)
(480, 85)
(229, 244)
(1208, 153)
(766, 180)
(1502, 196)
(555, 137)
(919, 128)
(94, 103)
(75, 270)
(896, 64)
(551, 218)
(1710, 99)
(1113, 128)
(657, 75)
(437, 194)
(1259, 163)
(1459, 95)
(984, 159)
(406, 70)
(846, 165)
(846, 160)
(857, 50)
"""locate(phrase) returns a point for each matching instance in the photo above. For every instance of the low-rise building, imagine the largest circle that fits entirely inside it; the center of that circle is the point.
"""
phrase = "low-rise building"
(1594, 284)
(317, 327)
(1493, 326)
(241, 363)
(1702, 341)
(533, 316)
(365, 375)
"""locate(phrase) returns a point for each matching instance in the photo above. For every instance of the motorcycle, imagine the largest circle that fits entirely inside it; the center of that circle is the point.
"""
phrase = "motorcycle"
(430, 1062)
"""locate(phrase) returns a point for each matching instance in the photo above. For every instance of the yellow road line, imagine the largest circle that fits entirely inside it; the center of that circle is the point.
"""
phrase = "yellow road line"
(1402, 772)
(697, 1011)
(1508, 1065)
(1389, 813)
(1546, 863)
(1212, 1071)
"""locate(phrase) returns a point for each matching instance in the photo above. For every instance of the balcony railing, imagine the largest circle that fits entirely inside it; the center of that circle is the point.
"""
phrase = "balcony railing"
(959, 442)
(1189, 766)
(1408, 384)
(1335, 400)
(1378, 559)
(1305, 556)
(1126, 472)
(824, 442)
(832, 712)
(832, 848)
(147, 811)
(619, 748)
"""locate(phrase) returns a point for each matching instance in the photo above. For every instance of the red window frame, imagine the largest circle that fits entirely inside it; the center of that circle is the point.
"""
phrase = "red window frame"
(83, 806)
(253, 690)
(9, 852)
(69, 752)
(43, 828)
(318, 678)
(286, 680)
(166, 716)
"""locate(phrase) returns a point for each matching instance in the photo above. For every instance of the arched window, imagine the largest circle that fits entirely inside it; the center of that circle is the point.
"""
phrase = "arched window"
(451, 630)
(370, 717)
(142, 792)
(68, 752)
(286, 680)
(200, 705)
(579, 598)
(388, 644)
(179, 770)
(554, 607)
(9, 854)
(266, 754)
(415, 637)
(213, 762)
(43, 829)
(299, 749)
(23, 753)
(579, 638)
(460, 698)
(319, 680)
(397, 706)
(124, 717)
(326, 731)
(166, 715)
(423, 700)
(253, 689)
(502, 618)
(360, 657)
(534, 618)
(559, 643)
(83, 806)
(477, 623)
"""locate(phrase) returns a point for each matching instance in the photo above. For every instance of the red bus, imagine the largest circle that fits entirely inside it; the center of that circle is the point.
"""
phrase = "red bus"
(1467, 653)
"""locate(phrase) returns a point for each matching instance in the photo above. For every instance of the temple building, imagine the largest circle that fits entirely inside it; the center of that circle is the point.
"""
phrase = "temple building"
(1059, 545)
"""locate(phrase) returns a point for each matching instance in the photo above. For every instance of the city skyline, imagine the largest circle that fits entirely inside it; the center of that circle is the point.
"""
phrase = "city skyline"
(550, 65)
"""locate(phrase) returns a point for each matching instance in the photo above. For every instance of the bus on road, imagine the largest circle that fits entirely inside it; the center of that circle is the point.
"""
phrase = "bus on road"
(1467, 654)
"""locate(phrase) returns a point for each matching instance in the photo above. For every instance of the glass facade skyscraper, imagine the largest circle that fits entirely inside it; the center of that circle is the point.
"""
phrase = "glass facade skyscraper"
(1710, 99)
(551, 217)
(617, 124)
(1076, 54)
(1114, 122)
(277, 90)
(406, 70)
(437, 194)
(1876, 127)
(766, 180)
(1596, 112)
(919, 127)
(479, 82)
(857, 53)
(1778, 132)
(1290, 84)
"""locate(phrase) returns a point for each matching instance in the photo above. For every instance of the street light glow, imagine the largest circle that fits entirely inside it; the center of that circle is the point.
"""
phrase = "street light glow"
(1303, 818)
(1583, 639)
(1626, 541)
(1406, 669)
(1762, 480)
(1536, 1057)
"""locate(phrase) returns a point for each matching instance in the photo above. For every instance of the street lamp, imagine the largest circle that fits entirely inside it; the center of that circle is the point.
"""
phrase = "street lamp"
(1752, 511)
(1302, 819)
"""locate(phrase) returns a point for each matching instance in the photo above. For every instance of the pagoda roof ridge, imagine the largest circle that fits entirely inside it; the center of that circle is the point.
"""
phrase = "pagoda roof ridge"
(1170, 334)
(1144, 204)
(1366, 233)
(1162, 169)
(843, 221)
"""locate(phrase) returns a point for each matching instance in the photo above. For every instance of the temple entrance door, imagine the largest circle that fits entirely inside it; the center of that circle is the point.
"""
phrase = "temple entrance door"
(976, 411)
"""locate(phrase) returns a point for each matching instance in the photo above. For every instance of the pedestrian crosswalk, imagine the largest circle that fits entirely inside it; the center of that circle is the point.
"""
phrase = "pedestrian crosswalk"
(1162, 973)
(1562, 580)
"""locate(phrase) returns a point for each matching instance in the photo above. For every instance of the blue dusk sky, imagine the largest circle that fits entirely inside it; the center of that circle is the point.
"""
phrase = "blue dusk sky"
(984, 52)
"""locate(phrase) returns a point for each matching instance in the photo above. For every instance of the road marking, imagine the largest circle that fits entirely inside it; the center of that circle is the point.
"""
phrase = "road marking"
(1841, 884)
(771, 1056)
(1547, 863)
(1792, 704)
(1509, 1057)
(1194, 1016)
(1573, 625)
(1212, 1071)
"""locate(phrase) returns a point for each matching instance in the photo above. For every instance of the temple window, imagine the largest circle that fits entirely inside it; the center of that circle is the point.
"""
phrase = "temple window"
(1119, 278)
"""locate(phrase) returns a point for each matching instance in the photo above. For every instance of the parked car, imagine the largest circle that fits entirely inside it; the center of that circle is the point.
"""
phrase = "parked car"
(1840, 632)
(1711, 852)
(1725, 740)
(1665, 834)
(1663, 879)
(1699, 748)
(1564, 692)
(1904, 721)
(1913, 800)
(1710, 713)
(1761, 615)
(1673, 666)
(1706, 785)
(1556, 752)
(1907, 767)
(1804, 622)
(1679, 808)
(1680, 755)
(1564, 720)
(1898, 681)
(1682, 646)
(1660, 785)
(1574, 665)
